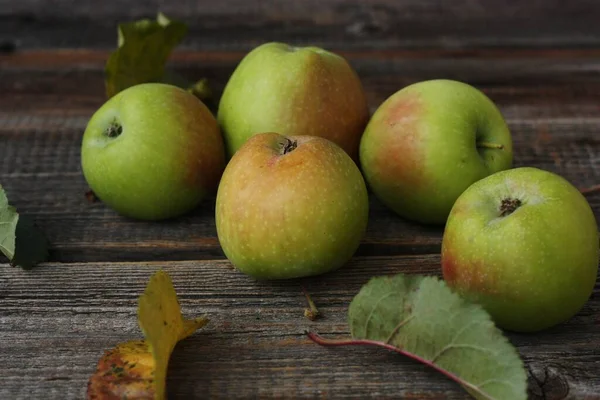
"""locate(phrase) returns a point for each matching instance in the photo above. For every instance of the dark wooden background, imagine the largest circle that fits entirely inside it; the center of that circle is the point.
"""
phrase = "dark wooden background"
(538, 60)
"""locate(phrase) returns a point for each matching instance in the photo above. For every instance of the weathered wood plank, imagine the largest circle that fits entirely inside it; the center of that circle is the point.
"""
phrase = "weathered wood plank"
(41, 174)
(550, 101)
(56, 320)
(382, 72)
(239, 24)
(538, 60)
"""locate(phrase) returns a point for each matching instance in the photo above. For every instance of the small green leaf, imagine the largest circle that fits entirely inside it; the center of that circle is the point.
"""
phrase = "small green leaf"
(201, 89)
(420, 317)
(20, 240)
(8, 225)
(143, 49)
(204, 92)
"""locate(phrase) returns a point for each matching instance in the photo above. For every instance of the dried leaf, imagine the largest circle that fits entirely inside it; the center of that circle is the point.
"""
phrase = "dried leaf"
(420, 317)
(20, 240)
(138, 369)
(143, 49)
(125, 372)
(161, 322)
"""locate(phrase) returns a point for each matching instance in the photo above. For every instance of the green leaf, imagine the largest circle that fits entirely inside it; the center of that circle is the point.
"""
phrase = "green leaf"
(143, 49)
(20, 240)
(8, 225)
(420, 317)
(201, 89)
(205, 93)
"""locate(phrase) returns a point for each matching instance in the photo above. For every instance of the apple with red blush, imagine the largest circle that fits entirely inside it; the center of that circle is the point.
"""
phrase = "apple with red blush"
(429, 142)
(523, 243)
(290, 207)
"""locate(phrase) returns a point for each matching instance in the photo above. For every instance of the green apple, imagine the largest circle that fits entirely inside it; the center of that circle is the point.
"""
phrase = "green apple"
(296, 91)
(524, 244)
(430, 141)
(290, 207)
(152, 151)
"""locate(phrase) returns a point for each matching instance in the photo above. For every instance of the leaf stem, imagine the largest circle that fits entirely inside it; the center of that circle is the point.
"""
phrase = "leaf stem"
(312, 312)
(360, 342)
(590, 190)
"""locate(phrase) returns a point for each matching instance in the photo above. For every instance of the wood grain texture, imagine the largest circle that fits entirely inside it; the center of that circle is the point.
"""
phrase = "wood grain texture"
(240, 24)
(549, 98)
(538, 60)
(56, 321)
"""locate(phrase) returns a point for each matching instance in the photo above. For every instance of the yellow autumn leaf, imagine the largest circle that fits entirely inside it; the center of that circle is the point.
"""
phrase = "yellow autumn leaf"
(138, 369)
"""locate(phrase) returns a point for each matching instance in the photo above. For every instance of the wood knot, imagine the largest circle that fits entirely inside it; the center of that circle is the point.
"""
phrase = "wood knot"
(370, 20)
(547, 383)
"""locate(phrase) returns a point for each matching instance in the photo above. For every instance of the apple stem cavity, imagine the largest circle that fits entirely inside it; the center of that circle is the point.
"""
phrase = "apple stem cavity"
(488, 145)
(114, 129)
(508, 206)
(288, 146)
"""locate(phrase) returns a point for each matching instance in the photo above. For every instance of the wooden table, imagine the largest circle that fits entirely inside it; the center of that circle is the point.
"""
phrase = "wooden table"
(539, 61)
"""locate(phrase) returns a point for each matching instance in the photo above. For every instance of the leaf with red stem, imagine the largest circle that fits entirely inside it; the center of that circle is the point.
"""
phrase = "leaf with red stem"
(421, 318)
(590, 190)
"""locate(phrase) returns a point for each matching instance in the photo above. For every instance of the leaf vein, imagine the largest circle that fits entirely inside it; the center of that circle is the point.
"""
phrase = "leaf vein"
(397, 328)
(368, 321)
(488, 381)
(460, 346)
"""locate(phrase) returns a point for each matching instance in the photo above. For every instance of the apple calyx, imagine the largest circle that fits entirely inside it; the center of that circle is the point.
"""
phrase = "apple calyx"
(488, 145)
(508, 206)
(114, 129)
(288, 146)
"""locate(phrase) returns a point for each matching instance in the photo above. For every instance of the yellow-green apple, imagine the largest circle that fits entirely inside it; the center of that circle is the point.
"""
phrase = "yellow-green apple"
(290, 207)
(524, 244)
(296, 91)
(428, 142)
(153, 151)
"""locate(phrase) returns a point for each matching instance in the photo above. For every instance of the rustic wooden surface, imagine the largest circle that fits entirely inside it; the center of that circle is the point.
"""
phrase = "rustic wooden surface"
(539, 61)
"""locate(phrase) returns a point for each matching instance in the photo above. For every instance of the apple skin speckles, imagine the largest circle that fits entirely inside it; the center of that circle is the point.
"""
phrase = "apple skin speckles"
(449, 269)
(308, 91)
(391, 156)
(204, 157)
(290, 215)
(419, 150)
(167, 159)
(531, 269)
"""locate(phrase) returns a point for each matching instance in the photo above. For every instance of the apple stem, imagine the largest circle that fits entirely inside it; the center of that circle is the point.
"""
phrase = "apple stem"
(312, 312)
(590, 190)
(488, 145)
(289, 146)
